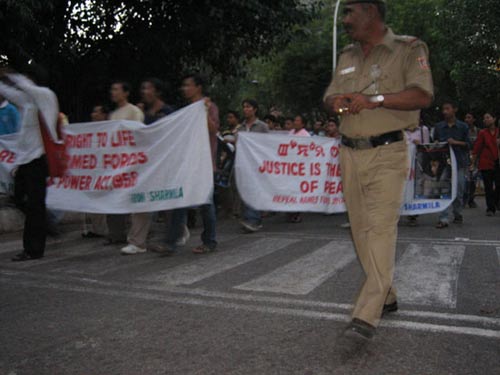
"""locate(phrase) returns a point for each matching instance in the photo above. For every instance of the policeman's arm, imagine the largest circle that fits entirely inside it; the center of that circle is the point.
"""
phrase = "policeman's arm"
(410, 99)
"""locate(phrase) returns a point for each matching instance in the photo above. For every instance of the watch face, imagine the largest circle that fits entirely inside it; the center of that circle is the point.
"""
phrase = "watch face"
(380, 98)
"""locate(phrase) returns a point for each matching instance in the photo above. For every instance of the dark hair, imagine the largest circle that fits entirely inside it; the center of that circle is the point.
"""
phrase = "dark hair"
(449, 102)
(270, 117)
(125, 85)
(234, 113)
(104, 108)
(289, 119)
(333, 119)
(303, 118)
(470, 113)
(197, 78)
(251, 102)
(157, 84)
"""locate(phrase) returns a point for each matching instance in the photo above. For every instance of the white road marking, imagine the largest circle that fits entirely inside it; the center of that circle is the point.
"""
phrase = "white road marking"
(305, 274)
(428, 275)
(68, 280)
(498, 254)
(308, 314)
(401, 239)
(209, 266)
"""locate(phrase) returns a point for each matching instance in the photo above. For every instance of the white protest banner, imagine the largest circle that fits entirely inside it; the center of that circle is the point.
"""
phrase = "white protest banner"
(276, 172)
(126, 167)
(279, 172)
(432, 184)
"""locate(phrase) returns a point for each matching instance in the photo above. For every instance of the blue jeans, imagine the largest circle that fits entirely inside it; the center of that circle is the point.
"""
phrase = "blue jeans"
(175, 227)
(251, 216)
(458, 204)
(209, 217)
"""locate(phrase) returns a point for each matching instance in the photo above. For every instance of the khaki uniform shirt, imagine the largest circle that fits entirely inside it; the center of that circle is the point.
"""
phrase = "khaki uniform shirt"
(397, 64)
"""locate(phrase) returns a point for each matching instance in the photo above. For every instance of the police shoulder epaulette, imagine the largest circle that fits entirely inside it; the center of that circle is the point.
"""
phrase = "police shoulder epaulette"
(406, 39)
(348, 47)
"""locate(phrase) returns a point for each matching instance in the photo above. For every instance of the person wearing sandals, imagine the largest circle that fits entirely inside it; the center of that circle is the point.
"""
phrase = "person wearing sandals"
(456, 134)
(486, 150)
(299, 124)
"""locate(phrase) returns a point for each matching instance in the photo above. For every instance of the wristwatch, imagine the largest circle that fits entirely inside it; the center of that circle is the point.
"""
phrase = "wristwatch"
(379, 99)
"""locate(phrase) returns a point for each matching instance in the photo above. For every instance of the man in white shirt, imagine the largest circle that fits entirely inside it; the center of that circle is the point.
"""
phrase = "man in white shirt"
(30, 174)
(141, 222)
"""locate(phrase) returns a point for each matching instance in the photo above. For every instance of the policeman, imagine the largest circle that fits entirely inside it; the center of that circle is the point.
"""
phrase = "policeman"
(381, 83)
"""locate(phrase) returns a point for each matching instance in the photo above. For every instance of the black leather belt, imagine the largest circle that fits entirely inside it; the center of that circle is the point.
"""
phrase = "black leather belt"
(372, 142)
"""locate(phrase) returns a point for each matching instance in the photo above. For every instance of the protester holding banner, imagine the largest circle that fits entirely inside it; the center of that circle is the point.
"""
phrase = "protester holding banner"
(140, 222)
(381, 82)
(98, 222)
(472, 175)
(486, 150)
(194, 90)
(252, 219)
(418, 136)
(456, 134)
(31, 169)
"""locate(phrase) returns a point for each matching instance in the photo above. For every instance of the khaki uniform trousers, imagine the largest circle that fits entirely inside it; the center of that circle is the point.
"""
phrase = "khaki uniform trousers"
(374, 182)
(138, 232)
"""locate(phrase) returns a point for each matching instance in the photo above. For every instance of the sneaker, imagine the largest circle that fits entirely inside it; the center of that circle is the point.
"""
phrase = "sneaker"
(249, 227)
(186, 235)
(459, 219)
(412, 221)
(490, 213)
(132, 250)
(472, 204)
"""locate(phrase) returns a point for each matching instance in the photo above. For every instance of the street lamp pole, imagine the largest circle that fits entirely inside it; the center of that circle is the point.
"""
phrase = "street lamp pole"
(335, 17)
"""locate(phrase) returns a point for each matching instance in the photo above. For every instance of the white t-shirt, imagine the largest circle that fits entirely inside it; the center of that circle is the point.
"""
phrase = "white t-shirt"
(127, 112)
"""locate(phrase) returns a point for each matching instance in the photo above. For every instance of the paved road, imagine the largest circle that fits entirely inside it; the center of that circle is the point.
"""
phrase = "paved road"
(270, 303)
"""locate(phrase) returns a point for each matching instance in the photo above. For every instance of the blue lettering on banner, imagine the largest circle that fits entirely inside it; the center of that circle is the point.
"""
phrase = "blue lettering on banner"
(422, 206)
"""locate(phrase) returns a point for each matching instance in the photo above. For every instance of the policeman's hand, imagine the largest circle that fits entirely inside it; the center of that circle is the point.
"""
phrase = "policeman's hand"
(416, 141)
(358, 102)
(340, 104)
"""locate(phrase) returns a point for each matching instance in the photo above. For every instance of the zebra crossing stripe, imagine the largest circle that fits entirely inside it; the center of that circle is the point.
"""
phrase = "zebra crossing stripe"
(206, 267)
(428, 275)
(498, 253)
(305, 274)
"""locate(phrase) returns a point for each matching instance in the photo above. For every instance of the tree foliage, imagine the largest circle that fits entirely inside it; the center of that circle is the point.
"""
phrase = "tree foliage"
(82, 45)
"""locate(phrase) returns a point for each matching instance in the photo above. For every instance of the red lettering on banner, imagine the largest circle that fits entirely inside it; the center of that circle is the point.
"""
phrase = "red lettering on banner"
(333, 170)
(320, 151)
(283, 150)
(333, 188)
(309, 200)
(309, 187)
(74, 182)
(79, 140)
(282, 168)
(115, 161)
(122, 138)
(119, 181)
(303, 150)
(286, 199)
(7, 156)
(88, 161)
(334, 151)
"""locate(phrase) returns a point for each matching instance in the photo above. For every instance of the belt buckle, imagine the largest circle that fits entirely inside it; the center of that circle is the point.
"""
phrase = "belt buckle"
(362, 143)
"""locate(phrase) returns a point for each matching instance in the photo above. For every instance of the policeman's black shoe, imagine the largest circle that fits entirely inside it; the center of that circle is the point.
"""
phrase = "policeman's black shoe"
(359, 329)
(459, 219)
(24, 256)
(389, 308)
(472, 204)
